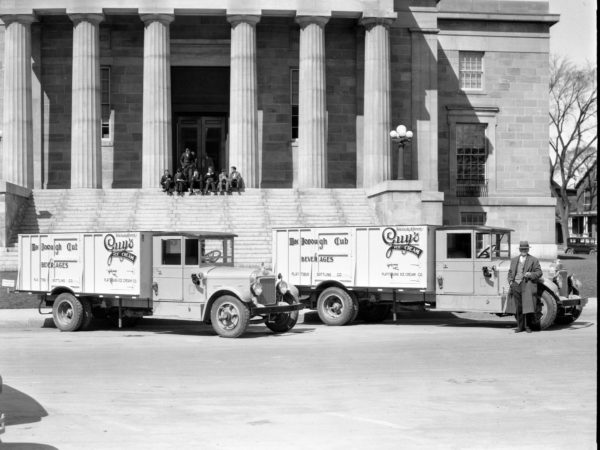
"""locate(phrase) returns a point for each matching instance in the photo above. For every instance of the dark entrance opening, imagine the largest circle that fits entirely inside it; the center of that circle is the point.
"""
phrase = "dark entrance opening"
(200, 101)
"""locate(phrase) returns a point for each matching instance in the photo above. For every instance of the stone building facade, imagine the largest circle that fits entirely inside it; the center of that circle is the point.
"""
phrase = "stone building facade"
(107, 94)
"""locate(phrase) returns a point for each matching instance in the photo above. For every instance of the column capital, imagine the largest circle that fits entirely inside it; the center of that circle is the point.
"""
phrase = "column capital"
(236, 19)
(25, 19)
(304, 21)
(370, 22)
(93, 18)
(165, 19)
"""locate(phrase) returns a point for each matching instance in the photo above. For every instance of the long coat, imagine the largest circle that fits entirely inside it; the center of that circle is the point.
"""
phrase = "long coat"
(529, 291)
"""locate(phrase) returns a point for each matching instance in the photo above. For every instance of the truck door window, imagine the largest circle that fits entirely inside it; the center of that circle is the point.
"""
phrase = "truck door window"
(171, 252)
(502, 242)
(483, 245)
(458, 245)
(191, 252)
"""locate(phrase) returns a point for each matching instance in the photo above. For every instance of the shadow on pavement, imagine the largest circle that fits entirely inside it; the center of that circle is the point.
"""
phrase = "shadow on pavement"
(189, 328)
(449, 319)
(19, 408)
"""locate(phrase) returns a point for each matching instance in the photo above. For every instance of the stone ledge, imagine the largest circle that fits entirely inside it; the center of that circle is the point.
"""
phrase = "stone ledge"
(394, 186)
(501, 201)
(7, 187)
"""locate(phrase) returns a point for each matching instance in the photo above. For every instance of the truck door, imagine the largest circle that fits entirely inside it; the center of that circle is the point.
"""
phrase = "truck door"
(487, 251)
(454, 265)
(192, 292)
(167, 269)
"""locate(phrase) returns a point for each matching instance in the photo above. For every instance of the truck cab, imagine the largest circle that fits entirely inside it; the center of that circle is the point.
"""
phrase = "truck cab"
(471, 268)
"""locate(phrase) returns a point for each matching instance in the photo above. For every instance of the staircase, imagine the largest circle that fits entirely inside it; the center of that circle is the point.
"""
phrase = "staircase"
(250, 215)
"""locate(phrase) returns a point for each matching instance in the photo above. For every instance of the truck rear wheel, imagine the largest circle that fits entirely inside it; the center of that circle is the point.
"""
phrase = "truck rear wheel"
(68, 312)
(549, 310)
(336, 307)
(229, 317)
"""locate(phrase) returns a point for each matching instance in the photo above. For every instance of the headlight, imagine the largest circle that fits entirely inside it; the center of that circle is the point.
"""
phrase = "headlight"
(256, 288)
(575, 282)
(283, 287)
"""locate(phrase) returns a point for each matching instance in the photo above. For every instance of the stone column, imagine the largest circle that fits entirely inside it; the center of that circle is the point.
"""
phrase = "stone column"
(243, 115)
(377, 110)
(86, 157)
(17, 146)
(424, 47)
(312, 126)
(157, 133)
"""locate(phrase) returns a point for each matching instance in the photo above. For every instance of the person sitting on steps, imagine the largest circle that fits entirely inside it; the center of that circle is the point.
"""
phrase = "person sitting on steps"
(210, 178)
(196, 183)
(180, 182)
(223, 182)
(235, 180)
(166, 182)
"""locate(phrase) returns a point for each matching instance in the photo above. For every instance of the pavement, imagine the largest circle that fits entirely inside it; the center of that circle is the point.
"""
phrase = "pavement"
(31, 318)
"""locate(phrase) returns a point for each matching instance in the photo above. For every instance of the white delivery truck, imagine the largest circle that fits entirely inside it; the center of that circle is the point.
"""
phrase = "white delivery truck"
(131, 274)
(364, 272)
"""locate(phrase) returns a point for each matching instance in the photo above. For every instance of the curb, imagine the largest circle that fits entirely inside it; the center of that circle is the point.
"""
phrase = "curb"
(31, 318)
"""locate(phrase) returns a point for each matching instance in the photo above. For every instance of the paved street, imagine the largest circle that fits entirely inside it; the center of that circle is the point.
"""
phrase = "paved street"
(432, 380)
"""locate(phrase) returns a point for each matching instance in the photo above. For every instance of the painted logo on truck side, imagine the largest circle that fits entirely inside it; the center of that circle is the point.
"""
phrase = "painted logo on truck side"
(119, 249)
(404, 242)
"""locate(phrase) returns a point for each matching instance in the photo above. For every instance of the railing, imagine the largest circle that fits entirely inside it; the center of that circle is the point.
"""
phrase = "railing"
(470, 188)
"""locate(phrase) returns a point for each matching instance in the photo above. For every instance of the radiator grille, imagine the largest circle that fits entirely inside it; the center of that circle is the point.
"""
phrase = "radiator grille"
(268, 296)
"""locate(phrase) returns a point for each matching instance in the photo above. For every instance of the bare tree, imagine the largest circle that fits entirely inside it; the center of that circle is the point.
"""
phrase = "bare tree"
(573, 128)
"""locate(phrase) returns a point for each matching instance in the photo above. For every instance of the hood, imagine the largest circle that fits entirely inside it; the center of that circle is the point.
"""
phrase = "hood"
(216, 272)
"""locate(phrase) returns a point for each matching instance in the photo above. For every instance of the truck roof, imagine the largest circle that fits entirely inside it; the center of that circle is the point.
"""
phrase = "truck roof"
(474, 227)
(190, 234)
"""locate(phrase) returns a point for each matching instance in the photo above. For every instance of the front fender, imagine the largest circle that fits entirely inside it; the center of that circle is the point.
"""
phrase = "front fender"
(549, 286)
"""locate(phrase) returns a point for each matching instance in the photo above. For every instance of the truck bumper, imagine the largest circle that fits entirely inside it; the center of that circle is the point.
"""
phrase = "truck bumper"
(573, 301)
(276, 309)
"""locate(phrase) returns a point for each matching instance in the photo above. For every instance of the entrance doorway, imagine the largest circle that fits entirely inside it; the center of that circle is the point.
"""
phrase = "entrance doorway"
(204, 135)
(200, 105)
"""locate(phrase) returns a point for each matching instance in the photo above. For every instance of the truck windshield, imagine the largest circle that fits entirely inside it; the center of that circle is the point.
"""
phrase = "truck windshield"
(215, 251)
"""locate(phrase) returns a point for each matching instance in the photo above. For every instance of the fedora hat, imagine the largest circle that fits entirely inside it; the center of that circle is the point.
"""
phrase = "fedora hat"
(523, 245)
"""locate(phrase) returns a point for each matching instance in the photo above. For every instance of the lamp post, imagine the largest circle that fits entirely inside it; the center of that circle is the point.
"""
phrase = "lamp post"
(401, 136)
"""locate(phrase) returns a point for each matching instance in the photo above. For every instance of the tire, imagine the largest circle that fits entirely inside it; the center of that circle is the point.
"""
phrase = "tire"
(592, 252)
(68, 312)
(549, 310)
(229, 317)
(88, 316)
(283, 322)
(373, 313)
(336, 307)
(569, 251)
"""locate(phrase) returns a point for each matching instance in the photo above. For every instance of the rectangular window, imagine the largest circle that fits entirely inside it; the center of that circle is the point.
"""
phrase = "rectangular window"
(191, 252)
(105, 100)
(471, 70)
(171, 252)
(471, 157)
(473, 218)
(294, 89)
(587, 199)
(458, 245)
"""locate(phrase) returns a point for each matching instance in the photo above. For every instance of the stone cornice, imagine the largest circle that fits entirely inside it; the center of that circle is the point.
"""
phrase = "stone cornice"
(551, 19)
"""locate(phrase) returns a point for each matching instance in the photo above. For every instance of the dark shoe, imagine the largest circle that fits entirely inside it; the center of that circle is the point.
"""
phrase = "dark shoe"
(528, 330)
(518, 330)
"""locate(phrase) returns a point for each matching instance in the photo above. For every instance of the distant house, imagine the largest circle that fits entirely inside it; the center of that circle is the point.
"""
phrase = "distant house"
(583, 201)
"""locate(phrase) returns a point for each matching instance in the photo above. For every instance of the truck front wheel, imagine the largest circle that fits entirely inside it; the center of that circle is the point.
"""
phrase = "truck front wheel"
(549, 310)
(336, 307)
(68, 312)
(229, 317)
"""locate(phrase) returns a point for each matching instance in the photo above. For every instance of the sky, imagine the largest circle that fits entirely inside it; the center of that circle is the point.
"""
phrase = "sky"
(575, 35)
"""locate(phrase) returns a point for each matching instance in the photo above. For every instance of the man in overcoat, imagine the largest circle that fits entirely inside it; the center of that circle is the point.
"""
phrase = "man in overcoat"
(523, 275)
